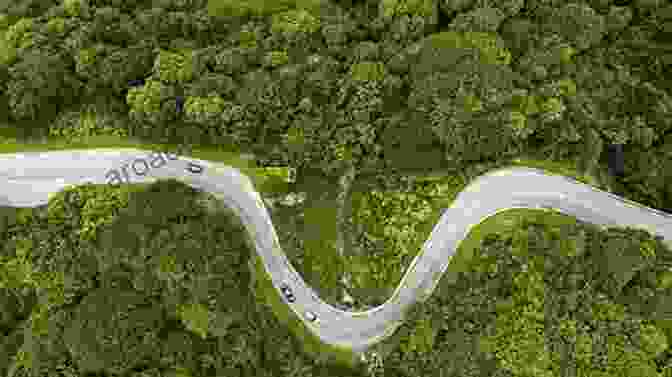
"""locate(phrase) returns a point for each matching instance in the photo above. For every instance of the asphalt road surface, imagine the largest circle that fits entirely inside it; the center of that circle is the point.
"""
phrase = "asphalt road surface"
(29, 179)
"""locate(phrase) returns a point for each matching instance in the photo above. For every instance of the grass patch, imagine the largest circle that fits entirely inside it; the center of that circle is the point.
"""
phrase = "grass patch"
(241, 8)
(228, 156)
(309, 232)
(566, 168)
(229, 8)
(321, 259)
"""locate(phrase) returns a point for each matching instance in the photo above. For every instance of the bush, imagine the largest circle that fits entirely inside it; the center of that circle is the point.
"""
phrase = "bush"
(368, 71)
(173, 67)
(295, 21)
(9, 306)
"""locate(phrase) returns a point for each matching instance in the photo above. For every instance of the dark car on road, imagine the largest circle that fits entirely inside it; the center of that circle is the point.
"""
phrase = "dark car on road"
(287, 292)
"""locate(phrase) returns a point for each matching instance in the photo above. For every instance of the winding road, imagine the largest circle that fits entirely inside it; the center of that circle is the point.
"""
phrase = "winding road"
(29, 179)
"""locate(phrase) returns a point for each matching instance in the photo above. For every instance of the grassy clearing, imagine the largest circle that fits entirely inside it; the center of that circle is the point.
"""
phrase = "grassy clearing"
(238, 8)
(308, 233)
(228, 156)
(321, 257)
(566, 168)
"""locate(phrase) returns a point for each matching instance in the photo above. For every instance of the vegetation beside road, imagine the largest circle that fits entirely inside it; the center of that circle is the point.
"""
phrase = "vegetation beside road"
(136, 245)
(530, 292)
(505, 276)
(390, 226)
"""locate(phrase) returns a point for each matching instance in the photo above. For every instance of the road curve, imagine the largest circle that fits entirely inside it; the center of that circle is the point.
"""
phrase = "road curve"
(29, 179)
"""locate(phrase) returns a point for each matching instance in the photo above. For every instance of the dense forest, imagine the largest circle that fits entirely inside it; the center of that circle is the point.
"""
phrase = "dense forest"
(342, 92)
(374, 86)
